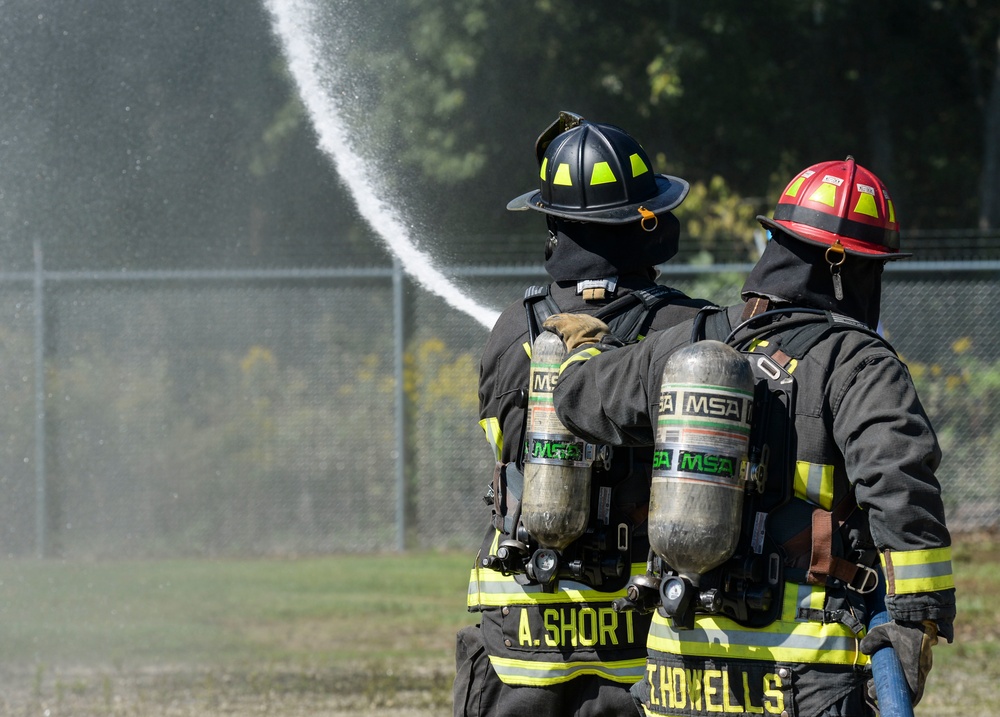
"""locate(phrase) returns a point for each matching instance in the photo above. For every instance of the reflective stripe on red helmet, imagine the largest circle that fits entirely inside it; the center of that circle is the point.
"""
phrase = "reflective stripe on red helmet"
(846, 229)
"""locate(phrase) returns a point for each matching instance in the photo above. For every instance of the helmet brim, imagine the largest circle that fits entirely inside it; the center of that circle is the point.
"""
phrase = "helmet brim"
(671, 192)
(799, 231)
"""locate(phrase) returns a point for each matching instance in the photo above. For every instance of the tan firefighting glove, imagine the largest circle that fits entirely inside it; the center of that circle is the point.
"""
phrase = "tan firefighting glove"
(577, 329)
(912, 642)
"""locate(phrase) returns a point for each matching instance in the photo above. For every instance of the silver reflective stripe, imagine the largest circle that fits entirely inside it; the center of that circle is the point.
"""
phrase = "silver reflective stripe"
(808, 597)
(927, 570)
(754, 638)
(915, 571)
(814, 482)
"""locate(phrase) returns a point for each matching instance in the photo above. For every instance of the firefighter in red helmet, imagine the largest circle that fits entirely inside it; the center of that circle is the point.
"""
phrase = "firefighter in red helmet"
(841, 497)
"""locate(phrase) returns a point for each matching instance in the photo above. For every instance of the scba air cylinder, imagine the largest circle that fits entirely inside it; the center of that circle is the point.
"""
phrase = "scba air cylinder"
(698, 479)
(555, 505)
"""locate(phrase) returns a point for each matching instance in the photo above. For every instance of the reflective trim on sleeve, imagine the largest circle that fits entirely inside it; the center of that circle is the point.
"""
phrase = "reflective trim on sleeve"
(494, 436)
(917, 571)
(527, 348)
(784, 640)
(814, 483)
(580, 355)
(538, 673)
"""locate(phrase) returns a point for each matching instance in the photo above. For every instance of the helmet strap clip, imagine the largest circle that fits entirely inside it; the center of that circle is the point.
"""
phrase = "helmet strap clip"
(835, 257)
(646, 216)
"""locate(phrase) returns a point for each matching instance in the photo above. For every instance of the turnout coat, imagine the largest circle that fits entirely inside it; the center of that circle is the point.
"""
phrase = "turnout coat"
(864, 443)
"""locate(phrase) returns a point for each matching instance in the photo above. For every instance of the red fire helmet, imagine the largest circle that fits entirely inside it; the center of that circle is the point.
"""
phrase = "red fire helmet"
(843, 203)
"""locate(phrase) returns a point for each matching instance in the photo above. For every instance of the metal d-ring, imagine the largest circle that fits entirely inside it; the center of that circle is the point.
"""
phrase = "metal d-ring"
(837, 247)
(646, 214)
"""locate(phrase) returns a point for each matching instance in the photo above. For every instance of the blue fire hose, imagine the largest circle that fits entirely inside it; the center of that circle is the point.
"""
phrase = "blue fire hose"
(890, 682)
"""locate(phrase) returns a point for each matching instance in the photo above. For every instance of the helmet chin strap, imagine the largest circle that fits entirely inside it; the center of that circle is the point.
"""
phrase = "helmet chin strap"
(550, 244)
(553, 239)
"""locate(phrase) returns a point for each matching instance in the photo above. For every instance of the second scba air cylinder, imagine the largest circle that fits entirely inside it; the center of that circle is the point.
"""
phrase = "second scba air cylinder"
(702, 437)
(555, 506)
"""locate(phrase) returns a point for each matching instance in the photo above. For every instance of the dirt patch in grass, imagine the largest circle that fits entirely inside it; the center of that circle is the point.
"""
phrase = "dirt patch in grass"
(346, 644)
(186, 692)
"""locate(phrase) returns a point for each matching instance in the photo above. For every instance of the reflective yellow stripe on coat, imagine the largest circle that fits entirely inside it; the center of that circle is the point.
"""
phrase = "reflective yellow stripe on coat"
(917, 571)
(494, 436)
(489, 588)
(539, 673)
(785, 640)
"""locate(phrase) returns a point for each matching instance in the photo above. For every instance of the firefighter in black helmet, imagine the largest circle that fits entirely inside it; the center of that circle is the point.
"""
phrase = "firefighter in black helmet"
(559, 648)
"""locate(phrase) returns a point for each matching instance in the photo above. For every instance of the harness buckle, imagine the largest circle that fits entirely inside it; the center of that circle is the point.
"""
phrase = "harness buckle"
(597, 453)
(869, 580)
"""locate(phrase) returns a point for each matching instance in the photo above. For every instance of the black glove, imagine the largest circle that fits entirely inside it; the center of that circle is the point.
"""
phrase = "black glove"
(912, 642)
(577, 329)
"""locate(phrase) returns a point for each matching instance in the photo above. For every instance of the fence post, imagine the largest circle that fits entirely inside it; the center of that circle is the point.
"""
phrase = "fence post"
(398, 349)
(41, 513)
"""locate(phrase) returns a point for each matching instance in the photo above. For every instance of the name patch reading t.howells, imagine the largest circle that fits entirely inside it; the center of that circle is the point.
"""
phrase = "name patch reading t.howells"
(745, 689)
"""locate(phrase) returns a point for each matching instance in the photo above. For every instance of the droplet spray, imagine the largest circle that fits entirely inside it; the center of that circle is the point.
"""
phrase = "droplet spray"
(316, 78)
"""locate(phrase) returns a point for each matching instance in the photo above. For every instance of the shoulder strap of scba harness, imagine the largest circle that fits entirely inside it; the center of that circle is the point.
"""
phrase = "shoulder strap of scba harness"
(787, 341)
(628, 316)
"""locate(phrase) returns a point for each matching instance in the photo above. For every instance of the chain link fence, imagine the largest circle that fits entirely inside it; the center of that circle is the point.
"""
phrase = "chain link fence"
(285, 413)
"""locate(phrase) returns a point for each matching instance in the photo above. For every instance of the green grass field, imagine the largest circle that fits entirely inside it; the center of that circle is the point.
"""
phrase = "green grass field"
(340, 635)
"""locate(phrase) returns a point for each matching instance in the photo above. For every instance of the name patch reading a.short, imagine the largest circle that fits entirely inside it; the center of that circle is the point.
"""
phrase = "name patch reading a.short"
(560, 627)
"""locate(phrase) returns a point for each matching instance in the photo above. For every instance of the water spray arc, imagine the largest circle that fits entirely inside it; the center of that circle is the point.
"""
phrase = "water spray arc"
(314, 77)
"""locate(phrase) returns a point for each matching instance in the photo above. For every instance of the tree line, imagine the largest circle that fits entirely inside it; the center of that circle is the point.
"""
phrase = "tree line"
(142, 135)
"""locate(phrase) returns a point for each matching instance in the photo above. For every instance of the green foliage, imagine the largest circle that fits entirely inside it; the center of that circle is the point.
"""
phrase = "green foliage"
(713, 90)
(719, 221)
(267, 154)
(439, 380)
(189, 148)
(145, 446)
(717, 227)
(439, 53)
(665, 82)
(960, 396)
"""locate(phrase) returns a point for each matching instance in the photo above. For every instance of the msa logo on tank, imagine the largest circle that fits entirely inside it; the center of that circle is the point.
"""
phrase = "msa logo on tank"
(701, 432)
(698, 462)
(548, 442)
(745, 690)
(543, 449)
(544, 377)
(705, 403)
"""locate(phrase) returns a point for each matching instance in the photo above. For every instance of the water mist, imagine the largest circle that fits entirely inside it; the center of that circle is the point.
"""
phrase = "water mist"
(317, 79)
